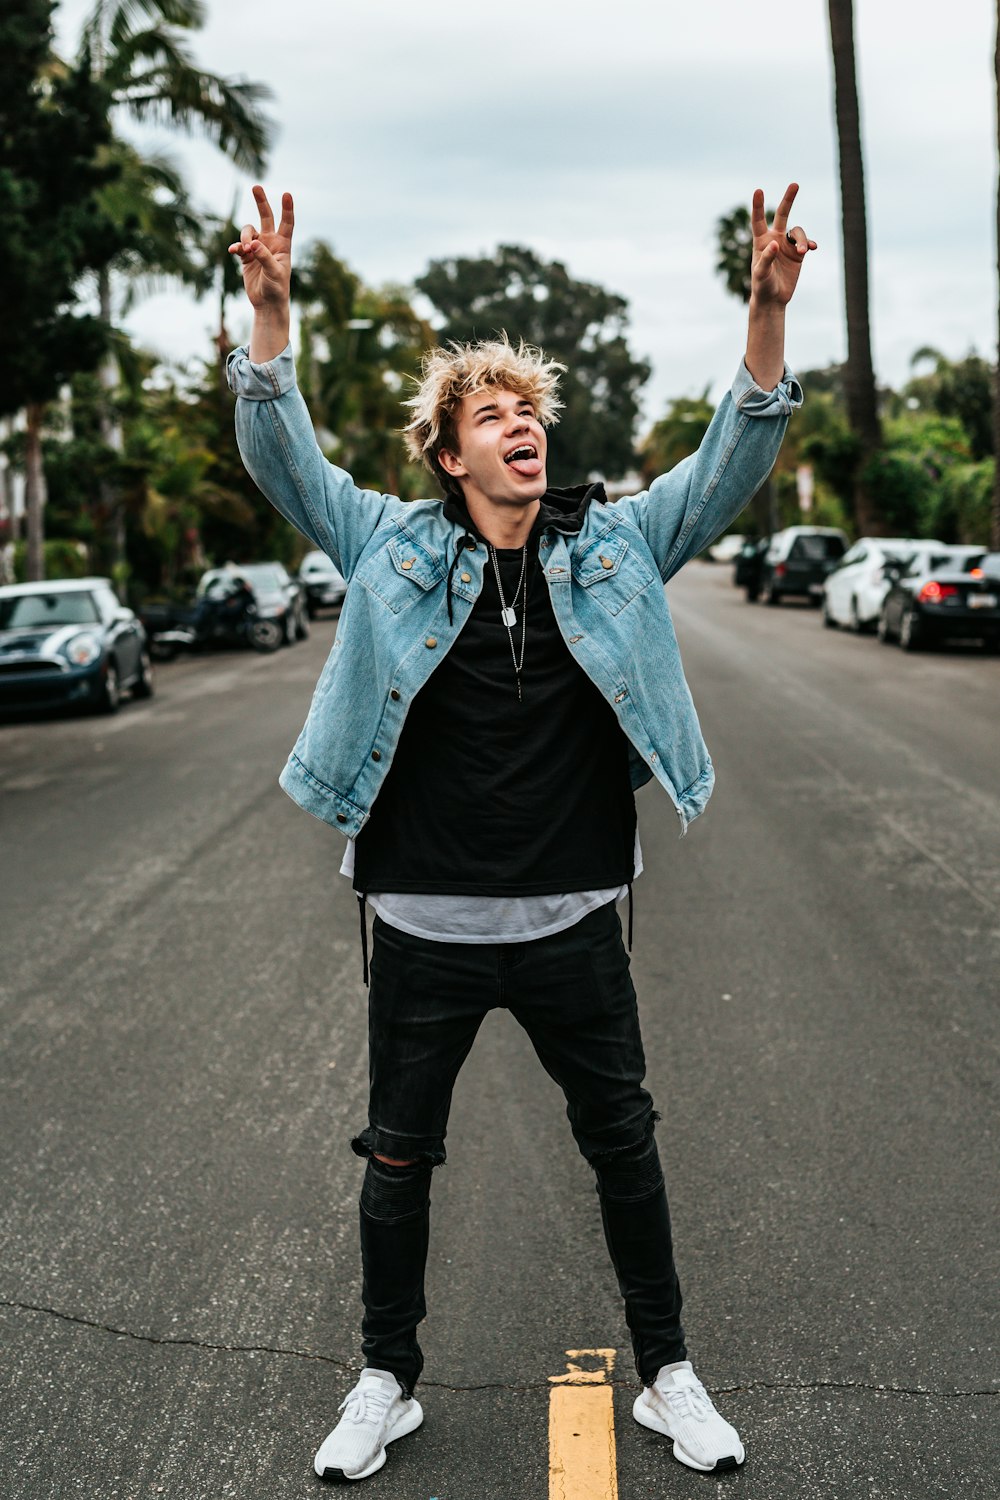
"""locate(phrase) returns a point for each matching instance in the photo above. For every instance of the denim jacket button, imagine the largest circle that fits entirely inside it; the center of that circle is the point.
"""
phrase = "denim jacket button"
(341, 818)
(431, 642)
(408, 563)
(376, 755)
(394, 694)
(466, 577)
(606, 562)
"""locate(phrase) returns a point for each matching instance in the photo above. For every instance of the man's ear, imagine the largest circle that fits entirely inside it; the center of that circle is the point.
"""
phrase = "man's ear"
(451, 464)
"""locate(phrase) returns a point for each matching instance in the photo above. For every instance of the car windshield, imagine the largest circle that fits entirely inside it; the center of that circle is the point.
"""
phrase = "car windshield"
(263, 577)
(816, 548)
(34, 610)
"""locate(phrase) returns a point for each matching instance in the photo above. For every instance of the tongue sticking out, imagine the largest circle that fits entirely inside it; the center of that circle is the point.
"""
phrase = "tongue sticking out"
(528, 468)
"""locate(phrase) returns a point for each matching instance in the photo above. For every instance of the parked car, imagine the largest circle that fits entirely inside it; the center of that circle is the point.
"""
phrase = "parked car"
(747, 567)
(856, 585)
(223, 613)
(986, 566)
(70, 641)
(278, 596)
(928, 604)
(324, 584)
(727, 548)
(797, 561)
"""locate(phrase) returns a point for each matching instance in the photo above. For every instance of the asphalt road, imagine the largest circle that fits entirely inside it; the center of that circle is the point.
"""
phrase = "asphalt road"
(184, 1063)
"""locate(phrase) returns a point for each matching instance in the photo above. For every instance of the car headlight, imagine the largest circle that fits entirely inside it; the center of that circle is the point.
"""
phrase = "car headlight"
(82, 650)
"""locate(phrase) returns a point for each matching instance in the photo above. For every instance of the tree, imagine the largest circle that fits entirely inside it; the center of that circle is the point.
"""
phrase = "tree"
(358, 345)
(139, 53)
(576, 322)
(956, 388)
(859, 375)
(53, 125)
(676, 435)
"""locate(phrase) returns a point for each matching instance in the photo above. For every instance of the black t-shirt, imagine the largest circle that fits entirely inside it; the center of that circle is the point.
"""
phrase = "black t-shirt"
(492, 796)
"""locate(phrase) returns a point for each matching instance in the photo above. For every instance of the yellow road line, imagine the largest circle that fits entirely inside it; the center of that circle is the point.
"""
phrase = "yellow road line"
(582, 1459)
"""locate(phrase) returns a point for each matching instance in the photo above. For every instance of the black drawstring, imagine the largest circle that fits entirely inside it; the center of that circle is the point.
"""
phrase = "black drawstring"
(630, 916)
(464, 541)
(364, 939)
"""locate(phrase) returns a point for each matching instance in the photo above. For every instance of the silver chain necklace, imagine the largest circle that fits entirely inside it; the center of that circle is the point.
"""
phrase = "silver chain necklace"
(508, 612)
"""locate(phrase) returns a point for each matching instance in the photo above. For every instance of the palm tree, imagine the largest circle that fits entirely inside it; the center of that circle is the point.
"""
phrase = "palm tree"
(859, 376)
(136, 48)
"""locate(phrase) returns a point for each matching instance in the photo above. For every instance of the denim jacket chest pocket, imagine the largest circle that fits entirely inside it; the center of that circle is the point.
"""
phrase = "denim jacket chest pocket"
(413, 571)
(612, 572)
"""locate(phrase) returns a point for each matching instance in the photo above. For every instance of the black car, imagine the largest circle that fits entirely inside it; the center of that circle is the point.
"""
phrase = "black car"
(69, 641)
(924, 607)
(324, 584)
(797, 561)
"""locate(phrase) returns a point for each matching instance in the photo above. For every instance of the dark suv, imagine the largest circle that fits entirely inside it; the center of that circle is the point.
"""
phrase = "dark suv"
(797, 561)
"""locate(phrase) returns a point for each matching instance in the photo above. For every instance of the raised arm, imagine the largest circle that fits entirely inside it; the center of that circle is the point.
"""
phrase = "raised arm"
(687, 508)
(273, 428)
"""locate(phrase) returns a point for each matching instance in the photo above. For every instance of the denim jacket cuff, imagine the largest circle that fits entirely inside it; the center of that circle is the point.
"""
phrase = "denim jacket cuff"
(260, 382)
(748, 396)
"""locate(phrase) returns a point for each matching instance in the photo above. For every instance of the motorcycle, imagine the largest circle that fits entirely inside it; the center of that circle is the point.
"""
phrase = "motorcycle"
(226, 615)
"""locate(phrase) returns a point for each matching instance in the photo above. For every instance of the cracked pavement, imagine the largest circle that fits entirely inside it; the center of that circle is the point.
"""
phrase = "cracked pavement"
(184, 1063)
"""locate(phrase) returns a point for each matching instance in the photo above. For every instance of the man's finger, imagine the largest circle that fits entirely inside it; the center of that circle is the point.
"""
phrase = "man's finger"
(247, 235)
(287, 216)
(264, 209)
(785, 207)
(758, 218)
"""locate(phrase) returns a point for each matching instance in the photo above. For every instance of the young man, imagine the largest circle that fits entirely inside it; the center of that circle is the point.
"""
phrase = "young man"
(505, 674)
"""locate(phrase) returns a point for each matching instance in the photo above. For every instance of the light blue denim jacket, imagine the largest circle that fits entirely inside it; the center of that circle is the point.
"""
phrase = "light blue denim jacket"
(605, 583)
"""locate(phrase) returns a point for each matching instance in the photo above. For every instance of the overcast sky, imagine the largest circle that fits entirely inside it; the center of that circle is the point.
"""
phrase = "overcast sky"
(611, 137)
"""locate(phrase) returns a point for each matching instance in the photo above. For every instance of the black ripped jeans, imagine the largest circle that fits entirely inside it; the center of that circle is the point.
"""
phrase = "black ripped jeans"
(573, 994)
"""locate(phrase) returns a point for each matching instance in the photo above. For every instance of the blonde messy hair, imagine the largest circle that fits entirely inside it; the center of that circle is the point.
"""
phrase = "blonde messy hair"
(448, 375)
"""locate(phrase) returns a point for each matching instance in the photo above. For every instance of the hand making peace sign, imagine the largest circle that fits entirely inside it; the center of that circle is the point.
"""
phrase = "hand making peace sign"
(266, 256)
(778, 252)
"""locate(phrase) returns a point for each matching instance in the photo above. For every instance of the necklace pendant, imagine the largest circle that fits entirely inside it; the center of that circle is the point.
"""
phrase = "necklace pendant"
(509, 616)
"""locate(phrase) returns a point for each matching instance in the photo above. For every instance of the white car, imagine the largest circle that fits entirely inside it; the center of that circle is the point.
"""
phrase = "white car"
(727, 548)
(853, 591)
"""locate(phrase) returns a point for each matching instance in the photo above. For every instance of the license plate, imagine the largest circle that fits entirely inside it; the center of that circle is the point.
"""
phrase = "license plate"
(982, 601)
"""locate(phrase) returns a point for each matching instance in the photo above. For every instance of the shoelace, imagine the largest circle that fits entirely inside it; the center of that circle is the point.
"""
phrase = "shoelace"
(368, 1405)
(689, 1400)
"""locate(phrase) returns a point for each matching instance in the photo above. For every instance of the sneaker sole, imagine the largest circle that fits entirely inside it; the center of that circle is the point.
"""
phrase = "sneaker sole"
(408, 1422)
(646, 1418)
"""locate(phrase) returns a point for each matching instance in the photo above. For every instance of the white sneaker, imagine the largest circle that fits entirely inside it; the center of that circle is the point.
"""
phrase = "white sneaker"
(375, 1413)
(679, 1406)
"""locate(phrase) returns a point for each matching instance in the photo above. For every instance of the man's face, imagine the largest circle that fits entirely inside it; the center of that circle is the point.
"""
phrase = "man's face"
(501, 449)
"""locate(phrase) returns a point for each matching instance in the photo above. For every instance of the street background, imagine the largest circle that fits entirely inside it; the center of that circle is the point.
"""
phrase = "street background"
(185, 1060)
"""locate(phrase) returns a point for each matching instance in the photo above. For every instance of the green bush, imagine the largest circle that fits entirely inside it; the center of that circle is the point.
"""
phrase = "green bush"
(60, 559)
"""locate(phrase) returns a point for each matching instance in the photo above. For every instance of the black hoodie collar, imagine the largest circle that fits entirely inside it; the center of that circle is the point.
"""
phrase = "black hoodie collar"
(562, 510)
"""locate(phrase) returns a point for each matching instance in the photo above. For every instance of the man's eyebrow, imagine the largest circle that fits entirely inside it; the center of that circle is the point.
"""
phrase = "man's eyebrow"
(490, 406)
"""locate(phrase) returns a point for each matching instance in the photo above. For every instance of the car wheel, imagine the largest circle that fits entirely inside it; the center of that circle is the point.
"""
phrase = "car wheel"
(111, 693)
(303, 626)
(991, 645)
(289, 633)
(857, 624)
(882, 628)
(265, 635)
(772, 596)
(144, 685)
(753, 594)
(910, 636)
(828, 620)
